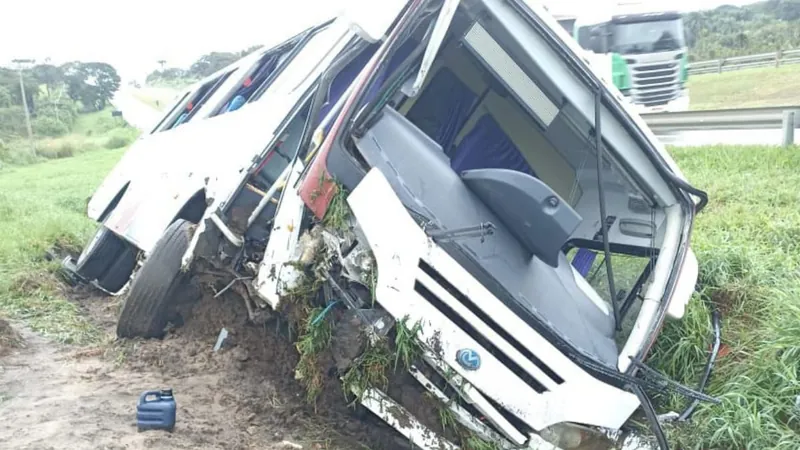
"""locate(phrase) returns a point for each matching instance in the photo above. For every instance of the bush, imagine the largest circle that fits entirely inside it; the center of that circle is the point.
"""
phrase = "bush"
(63, 149)
(12, 120)
(63, 111)
(49, 126)
(17, 152)
(116, 142)
(121, 137)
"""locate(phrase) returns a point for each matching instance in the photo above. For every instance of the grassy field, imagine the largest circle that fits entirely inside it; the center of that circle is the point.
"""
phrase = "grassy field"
(748, 243)
(43, 205)
(748, 88)
(93, 131)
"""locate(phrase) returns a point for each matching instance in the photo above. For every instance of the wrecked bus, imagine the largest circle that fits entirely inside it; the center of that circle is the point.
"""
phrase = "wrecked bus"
(465, 206)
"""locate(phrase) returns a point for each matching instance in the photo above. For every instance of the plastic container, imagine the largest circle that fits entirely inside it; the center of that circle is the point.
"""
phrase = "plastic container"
(156, 411)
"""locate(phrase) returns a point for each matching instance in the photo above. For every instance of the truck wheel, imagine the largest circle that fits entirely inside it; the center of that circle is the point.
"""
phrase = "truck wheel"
(100, 252)
(120, 272)
(145, 313)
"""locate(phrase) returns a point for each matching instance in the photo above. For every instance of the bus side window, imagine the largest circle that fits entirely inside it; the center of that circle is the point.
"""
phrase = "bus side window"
(189, 107)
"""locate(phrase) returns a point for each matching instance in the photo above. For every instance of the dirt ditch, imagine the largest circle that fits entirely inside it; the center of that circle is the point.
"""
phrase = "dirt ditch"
(241, 397)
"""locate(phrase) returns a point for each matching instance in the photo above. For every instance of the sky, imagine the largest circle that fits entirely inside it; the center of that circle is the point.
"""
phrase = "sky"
(133, 35)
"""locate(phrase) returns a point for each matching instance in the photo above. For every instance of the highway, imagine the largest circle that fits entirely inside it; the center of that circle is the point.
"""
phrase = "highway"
(134, 111)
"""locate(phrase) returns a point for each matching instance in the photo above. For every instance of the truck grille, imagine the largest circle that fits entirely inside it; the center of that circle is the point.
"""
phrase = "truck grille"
(655, 84)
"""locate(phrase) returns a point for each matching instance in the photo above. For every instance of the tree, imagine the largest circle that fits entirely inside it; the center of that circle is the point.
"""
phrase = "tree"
(49, 75)
(162, 63)
(93, 84)
(9, 79)
(729, 31)
(249, 50)
(211, 62)
(6, 99)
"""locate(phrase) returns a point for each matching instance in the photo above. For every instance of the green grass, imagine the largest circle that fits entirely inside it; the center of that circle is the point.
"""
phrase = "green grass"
(42, 205)
(92, 131)
(747, 242)
(748, 245)
(749, 88)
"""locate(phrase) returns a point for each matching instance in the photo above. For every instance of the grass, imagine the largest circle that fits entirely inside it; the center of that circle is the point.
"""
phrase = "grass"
(748, 245)
(370, 370)
(315, 339)
(747, 242)
(92, 131)
(407, 347)
(40, 206)
(749, 88)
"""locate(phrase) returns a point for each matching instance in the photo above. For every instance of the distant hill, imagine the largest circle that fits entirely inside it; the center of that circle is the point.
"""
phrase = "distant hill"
(728, 31)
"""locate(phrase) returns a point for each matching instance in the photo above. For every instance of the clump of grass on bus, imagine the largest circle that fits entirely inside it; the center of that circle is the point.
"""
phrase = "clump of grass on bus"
(748, 246)
(315, 339)
(406, 342)
(475, 442)
(447, 418)
(338, 213)
(370, 370)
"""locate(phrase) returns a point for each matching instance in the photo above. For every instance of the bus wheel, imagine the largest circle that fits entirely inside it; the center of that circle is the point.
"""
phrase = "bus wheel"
(157, 285)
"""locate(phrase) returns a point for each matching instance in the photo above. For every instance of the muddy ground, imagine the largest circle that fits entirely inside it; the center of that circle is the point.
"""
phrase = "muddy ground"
(241, 397)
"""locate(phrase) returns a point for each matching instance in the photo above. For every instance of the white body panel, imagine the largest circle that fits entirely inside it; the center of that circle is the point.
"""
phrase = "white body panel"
(391, 412)
(274, 275)
(398, 245)
(167, 168)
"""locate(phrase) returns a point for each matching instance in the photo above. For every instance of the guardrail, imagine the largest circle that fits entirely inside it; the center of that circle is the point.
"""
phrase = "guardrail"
(774, 59)
(785, 118)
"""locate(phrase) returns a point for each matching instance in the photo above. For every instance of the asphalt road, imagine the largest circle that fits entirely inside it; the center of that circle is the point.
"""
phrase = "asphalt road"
(134, 111)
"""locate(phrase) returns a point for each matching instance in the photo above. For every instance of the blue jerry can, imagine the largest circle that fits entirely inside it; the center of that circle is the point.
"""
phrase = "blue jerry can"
(156, 411)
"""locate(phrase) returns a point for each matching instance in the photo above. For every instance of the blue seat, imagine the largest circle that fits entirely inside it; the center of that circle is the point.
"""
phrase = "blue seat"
(443, 108)
(487, 146)
(236, 103)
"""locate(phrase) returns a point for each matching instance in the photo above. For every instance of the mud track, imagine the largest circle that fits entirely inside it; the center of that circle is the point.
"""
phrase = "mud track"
(241, 397)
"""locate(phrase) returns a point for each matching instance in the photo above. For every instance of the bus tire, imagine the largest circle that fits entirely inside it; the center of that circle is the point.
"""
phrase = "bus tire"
(99, 254)
(118, 274)
(155, 287)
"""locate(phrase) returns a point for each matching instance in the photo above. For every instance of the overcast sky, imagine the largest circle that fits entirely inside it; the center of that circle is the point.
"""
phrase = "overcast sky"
(133, 34)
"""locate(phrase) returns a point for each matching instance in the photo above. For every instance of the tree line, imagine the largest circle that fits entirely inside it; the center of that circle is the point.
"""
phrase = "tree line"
(203, 67)
(55, 95)
(728, 31)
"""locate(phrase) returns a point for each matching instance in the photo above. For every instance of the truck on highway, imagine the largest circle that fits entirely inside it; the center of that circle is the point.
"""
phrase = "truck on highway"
(642, 49)
(465, 226)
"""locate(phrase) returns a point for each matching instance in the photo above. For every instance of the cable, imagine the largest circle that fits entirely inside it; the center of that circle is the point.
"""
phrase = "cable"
(712, 358)
(598, 142)
(650, 412)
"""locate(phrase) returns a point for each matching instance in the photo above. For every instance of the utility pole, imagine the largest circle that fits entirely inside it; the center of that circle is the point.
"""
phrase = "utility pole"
(19, 63)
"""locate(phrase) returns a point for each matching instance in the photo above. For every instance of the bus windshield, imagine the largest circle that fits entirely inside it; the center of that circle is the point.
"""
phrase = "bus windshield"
(647, 37)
